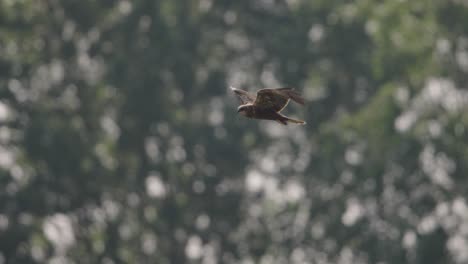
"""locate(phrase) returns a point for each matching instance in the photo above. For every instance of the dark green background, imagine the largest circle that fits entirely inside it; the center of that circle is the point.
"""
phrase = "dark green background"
(120, 141)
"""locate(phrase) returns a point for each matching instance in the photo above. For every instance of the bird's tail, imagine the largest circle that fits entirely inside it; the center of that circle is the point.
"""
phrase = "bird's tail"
(285, 120)
(296, 121)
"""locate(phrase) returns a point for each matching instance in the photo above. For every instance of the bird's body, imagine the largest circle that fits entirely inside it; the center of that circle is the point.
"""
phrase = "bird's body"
(268, 103)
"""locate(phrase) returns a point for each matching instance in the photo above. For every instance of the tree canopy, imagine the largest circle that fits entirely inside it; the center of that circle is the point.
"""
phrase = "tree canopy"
(120, 141)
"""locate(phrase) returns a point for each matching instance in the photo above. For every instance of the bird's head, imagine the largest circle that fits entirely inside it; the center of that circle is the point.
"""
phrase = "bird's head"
(244, 110)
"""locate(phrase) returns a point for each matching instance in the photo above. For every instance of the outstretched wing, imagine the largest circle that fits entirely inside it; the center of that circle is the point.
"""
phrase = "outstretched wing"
(244, 96)
(276, 99)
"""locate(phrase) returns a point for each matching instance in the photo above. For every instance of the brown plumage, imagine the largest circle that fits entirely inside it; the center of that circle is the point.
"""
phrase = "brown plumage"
(268, 103)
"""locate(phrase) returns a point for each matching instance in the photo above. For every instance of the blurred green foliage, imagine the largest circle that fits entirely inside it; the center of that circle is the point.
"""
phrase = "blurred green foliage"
(120, 142)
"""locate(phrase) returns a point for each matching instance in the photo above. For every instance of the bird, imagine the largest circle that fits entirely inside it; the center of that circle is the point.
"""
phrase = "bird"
(268, 103)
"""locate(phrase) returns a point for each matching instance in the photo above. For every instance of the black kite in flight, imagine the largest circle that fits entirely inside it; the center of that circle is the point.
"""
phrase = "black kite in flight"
(268, 104)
